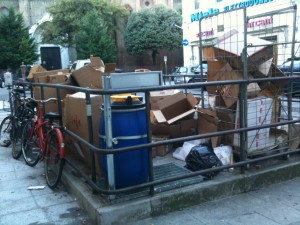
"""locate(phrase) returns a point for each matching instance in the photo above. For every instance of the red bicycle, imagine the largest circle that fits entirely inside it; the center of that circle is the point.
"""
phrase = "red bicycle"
(42, 139)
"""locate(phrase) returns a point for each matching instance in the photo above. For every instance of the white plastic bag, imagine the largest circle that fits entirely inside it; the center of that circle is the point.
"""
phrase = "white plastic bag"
(224, 154)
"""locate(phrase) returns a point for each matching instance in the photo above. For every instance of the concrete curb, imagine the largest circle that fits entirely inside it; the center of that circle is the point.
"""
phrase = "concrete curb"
(223, 185)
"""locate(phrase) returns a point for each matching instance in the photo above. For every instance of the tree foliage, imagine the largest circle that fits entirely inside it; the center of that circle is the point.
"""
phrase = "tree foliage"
(95, 39)
(88, 25)
(66, 21)
(15, 44)
(152, 30)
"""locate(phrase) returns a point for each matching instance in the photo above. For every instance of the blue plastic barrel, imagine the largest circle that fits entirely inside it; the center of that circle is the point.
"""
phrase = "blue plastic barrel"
(129, 128)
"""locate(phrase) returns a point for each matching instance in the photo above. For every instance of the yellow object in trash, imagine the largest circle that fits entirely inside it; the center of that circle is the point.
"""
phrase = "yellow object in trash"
(123, 97)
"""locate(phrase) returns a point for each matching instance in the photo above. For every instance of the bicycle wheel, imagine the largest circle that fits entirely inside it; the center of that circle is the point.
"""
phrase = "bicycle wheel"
(23, 115)
(16, 150)
(30, 144)
(5, 131)
(53, 162)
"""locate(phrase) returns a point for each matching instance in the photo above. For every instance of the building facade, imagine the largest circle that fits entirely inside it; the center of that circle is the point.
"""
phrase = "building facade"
(206, 21)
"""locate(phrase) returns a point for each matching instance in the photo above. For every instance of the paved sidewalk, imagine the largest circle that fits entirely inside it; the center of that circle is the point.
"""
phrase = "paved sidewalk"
(20, 206)
(273, 205)
(219, 201)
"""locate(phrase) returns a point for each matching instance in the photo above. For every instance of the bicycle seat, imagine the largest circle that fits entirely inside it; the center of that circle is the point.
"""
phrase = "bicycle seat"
(52, 116)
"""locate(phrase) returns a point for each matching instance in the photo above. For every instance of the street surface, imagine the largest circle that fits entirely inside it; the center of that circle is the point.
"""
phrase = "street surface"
(278, 204)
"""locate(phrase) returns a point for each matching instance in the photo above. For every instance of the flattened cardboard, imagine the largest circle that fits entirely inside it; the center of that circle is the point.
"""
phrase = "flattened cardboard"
(263, 69)
(229, 48)
(214, 68)
(295, 141)
(175, 107)
(75, 120)
(230, 92)
(252, 90)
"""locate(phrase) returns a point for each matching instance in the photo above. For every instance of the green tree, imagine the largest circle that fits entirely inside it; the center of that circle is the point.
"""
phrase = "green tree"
(152, 30)
(96, 39)
(72, 22)
(15, 44)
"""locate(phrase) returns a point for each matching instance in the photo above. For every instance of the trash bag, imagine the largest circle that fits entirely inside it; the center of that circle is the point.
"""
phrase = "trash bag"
(203, 157)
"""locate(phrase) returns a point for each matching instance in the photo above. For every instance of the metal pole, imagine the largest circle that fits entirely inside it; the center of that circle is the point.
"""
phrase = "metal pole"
(290, 88)
(108, 136)
(243, 103)
(200, 62)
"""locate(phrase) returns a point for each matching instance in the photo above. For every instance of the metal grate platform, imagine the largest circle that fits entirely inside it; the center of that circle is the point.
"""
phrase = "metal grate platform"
(160, 172)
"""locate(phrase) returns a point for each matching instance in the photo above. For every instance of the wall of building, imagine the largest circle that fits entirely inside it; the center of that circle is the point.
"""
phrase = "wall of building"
(275, 28)
(33, 10)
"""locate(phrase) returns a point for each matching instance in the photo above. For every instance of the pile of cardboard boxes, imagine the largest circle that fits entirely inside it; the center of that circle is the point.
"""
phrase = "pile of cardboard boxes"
(175, 115)
(74, 110)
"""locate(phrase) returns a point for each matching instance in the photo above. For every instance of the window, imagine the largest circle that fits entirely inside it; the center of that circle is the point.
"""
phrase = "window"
(197, 4)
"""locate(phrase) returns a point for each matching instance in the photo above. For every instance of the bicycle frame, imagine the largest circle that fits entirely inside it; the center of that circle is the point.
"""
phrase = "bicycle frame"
(39, 122)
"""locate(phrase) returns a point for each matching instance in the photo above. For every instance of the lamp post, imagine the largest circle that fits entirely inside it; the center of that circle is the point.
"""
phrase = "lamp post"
(166, 66)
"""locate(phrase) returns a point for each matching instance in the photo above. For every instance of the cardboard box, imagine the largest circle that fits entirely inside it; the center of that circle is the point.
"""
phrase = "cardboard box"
(175, 107)
(163, 149)
(88, 77)
(156, 96)
(50, 92)
(271, 91)
(259, 113)
(278, 86)
(97, 63)
(35, 69)
(47, 73)
(58, 78)
(75, 120)
(180, 128)
(229, 48)
(226, 122)
(208, 123)
(219, 71)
